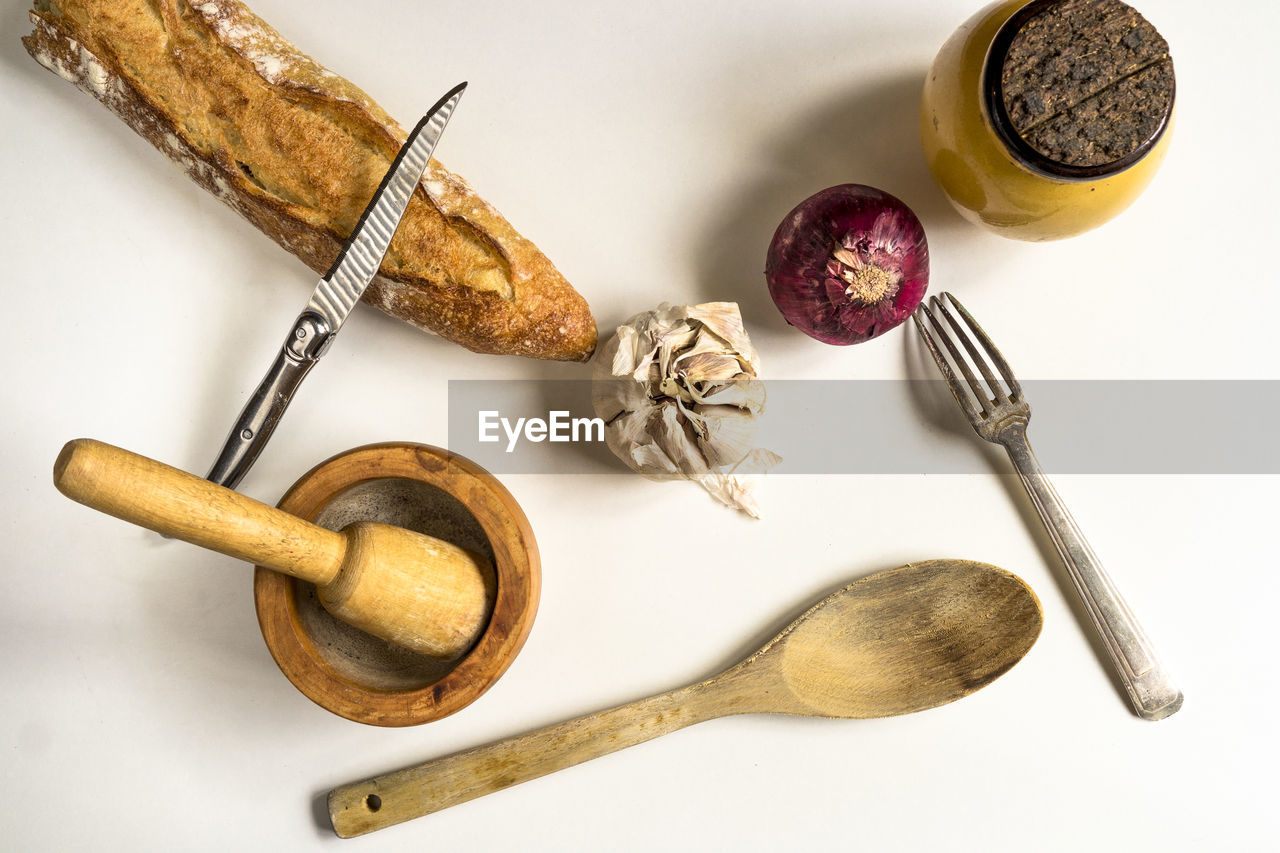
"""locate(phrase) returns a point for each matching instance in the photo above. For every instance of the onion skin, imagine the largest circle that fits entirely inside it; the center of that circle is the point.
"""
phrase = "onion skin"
(848, 264)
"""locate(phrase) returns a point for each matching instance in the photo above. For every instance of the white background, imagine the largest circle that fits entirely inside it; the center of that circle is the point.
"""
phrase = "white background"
(649, 149)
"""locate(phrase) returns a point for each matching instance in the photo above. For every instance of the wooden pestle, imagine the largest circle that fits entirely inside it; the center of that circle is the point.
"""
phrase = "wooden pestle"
(410, 589)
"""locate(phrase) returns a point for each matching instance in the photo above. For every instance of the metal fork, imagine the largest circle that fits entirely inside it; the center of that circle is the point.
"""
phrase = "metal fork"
(1000, 416)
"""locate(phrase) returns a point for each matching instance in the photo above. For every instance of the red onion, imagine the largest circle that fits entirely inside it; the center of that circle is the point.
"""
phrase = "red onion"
(848, 264)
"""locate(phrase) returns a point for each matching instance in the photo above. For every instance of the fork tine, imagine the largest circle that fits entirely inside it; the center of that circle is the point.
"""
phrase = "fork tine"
(953, 382)
(993, 384)
(1000, 363)
(979, 392)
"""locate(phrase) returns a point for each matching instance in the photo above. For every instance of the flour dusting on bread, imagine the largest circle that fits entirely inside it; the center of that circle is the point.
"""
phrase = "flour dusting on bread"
(298, 151)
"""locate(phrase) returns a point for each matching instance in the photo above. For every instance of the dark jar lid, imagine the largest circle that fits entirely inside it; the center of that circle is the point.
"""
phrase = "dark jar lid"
(1078, 89)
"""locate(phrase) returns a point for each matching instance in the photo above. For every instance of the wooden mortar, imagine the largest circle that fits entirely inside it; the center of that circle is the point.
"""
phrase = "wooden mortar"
(431, 491)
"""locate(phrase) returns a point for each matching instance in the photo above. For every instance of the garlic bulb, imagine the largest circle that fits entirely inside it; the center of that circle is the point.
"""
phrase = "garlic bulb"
(679, 393)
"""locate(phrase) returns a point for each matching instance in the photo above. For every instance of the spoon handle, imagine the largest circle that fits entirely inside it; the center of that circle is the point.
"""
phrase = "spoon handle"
(386, 800)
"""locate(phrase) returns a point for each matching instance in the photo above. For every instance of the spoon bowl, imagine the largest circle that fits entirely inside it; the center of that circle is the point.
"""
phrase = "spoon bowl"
(894, 642)
(898, 641)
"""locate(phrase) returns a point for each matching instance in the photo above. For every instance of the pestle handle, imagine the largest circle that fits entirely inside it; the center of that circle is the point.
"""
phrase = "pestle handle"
(158, 497)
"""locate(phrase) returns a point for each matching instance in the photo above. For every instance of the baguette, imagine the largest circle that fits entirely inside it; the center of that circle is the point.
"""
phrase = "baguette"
(299, 151)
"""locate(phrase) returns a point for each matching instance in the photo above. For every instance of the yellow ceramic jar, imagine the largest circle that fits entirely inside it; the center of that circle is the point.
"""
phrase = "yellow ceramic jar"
(991, 176)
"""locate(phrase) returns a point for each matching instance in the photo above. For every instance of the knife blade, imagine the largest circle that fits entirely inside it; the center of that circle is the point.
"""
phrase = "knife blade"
(334, 298)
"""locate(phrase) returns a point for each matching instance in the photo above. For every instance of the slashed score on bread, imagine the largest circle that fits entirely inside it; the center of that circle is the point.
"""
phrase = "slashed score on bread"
(299, 151)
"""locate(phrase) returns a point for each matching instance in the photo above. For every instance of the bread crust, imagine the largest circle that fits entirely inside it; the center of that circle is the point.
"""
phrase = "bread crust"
(298, 151)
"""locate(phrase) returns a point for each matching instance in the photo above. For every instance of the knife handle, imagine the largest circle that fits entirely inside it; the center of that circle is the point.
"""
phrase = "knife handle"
(308, 340)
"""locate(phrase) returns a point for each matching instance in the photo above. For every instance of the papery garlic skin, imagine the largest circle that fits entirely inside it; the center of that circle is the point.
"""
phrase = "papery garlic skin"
(679, 391)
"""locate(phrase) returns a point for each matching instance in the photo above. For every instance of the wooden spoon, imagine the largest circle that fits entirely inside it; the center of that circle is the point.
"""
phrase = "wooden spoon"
(895, 642)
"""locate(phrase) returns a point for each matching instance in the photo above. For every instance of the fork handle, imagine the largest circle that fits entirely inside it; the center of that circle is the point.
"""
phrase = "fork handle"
(1151, 689)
